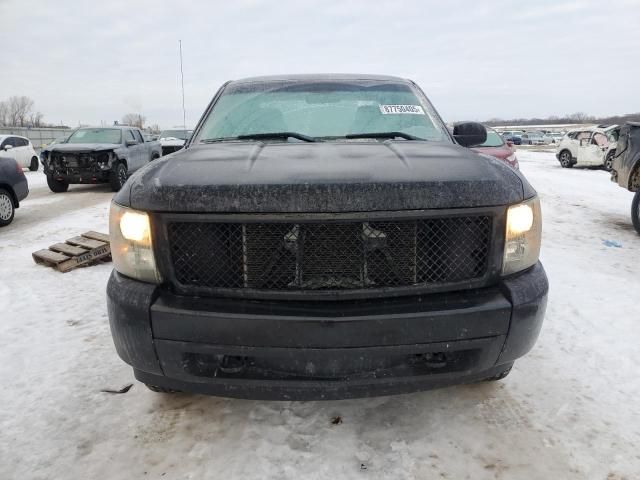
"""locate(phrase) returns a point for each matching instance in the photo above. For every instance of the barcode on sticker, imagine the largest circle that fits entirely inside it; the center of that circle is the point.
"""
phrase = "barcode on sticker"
(401, 109)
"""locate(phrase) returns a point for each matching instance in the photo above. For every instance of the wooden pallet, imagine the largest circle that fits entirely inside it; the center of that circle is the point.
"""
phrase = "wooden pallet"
(87, 249)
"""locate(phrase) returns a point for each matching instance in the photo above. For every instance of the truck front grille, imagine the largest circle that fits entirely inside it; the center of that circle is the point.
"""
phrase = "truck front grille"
(330, 255)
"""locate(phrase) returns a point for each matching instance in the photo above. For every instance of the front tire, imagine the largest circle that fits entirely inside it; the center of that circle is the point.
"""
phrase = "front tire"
(635, 211)
(608, 161)
(565, 159)
(118, 177)
(33, 166)
(57, 186)
(7, 209)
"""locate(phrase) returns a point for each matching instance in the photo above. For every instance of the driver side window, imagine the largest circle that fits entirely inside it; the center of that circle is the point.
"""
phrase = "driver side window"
(583, 136)
(130, 136)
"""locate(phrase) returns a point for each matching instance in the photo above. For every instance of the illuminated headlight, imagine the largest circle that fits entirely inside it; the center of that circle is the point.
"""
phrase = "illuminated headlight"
(522, 236)
(131, 245)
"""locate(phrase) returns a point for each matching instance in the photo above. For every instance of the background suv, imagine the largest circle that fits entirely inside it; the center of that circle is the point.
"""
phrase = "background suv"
(585, 147)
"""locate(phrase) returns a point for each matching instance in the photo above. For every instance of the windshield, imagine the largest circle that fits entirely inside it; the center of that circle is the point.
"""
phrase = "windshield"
(493, 139)
(321, 110)
(95, 135)
(180, 134)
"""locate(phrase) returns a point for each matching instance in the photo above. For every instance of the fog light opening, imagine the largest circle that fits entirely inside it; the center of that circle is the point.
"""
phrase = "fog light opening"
(432, 359)
(232, 364)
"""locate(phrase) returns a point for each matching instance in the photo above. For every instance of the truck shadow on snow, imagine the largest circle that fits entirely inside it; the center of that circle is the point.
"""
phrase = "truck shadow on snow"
(373, 434)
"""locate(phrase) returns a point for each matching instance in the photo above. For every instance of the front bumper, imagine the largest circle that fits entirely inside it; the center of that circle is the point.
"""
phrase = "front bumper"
(93, 172)
(324, 350)
(21, 190)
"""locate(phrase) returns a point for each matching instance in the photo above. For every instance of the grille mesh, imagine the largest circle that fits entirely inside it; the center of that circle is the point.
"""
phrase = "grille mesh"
(332, 255)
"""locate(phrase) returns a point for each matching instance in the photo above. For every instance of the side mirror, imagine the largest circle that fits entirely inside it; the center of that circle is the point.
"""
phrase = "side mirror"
(131, 143)
(469, 134)
(509, 143)
(8, 147)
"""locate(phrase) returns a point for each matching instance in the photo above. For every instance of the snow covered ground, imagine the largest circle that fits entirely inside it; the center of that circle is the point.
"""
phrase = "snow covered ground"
(569, 410)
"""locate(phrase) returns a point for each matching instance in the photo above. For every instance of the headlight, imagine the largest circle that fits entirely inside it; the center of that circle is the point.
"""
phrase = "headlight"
(522, 236)
(131, 246)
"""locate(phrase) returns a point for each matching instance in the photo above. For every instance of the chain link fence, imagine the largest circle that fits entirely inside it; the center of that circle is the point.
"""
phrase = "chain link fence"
(39, 136)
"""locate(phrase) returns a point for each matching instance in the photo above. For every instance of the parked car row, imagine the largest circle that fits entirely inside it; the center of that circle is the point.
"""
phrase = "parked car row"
(535, 137)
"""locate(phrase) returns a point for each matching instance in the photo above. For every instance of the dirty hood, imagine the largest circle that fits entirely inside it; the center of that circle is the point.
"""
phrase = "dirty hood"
(81, 147)
(322, 177)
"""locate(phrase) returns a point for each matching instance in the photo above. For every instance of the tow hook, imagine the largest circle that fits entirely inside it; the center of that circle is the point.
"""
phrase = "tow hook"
(232, 364)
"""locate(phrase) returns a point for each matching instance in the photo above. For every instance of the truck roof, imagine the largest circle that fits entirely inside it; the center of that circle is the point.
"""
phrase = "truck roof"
(320, 77)
(118, 127)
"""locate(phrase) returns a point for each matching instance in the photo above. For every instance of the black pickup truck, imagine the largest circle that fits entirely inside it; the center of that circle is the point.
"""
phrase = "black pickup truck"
(324, 236)
(97, 155)
(625, 166)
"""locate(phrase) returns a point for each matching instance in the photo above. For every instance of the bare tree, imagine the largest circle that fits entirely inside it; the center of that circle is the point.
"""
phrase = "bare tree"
(36, 119)
(133, 120)
(4, 113)
(580, 117)
(19, 108)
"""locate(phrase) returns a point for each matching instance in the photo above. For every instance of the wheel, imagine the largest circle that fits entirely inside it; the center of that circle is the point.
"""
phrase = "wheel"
(155, 157)
(565, 159)
(7, 210)
(608, 162)
(118, 176)
(33, 166)
(635, 211)
(57, 186)
(500, 375)
(157, 389)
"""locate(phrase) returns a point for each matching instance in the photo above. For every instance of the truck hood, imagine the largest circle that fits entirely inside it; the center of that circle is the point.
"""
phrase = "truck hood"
(171, 142)
(82, 147)
(322, 177)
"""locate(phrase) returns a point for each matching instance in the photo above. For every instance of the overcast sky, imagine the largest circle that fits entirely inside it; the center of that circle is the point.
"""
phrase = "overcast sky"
(95, 61)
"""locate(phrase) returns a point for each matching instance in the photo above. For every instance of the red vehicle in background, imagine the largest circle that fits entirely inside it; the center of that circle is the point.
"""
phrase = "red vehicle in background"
(497, 147)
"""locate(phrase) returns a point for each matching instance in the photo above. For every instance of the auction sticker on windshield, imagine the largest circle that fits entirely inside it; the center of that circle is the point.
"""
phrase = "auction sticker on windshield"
(404, 109)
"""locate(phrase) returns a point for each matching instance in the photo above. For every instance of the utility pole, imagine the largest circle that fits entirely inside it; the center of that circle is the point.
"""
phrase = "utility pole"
(184, 112)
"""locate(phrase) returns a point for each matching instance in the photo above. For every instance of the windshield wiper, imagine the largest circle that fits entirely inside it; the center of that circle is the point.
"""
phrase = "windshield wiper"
(406, 136)
(219, 139)
(277, 135)
(262, 136)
